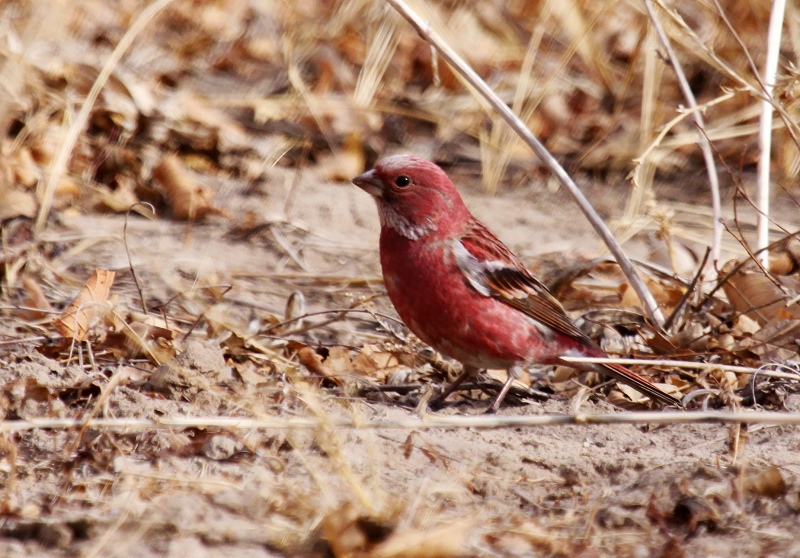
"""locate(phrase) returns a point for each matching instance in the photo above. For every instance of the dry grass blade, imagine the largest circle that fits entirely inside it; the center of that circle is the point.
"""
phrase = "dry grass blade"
(687, 364)
(59, 163)
(379, 55)
(705, 146)
(765, 126)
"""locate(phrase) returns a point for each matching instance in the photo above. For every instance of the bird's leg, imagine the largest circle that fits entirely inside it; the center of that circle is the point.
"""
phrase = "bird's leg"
(466, 373)
(514, 373)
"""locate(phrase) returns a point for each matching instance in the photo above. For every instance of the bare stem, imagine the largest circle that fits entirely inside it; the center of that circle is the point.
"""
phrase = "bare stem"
(765, 127)
(426, 422)
(59, 164)
(702, 138)
(482, 88)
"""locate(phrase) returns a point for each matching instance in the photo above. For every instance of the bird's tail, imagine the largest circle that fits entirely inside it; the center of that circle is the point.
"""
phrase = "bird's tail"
(643, 386)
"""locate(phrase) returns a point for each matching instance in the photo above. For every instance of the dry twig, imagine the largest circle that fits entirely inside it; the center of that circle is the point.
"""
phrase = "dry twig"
(471, 77)
(426, 422)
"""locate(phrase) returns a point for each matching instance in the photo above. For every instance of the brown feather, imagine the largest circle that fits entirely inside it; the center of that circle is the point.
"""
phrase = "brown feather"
(515, 286)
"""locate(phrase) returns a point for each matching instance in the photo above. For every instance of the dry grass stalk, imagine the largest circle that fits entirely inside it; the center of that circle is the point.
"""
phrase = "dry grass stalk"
(690, 365)
(765, 127)
(379, 54)
(705, 145)
(426, 422)
(464, 69)
(59, 163)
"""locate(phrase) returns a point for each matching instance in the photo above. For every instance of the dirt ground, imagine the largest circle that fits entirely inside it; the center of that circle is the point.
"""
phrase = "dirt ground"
(578, 490)
(254, 292)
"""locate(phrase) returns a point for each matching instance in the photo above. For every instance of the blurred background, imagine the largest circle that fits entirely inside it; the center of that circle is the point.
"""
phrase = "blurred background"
(236, 87)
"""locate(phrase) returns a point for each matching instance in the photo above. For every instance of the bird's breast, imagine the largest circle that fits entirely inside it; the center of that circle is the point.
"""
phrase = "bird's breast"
(437, 303)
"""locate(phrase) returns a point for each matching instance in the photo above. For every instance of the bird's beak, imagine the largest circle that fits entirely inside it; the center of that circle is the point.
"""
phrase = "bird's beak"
(370, 183)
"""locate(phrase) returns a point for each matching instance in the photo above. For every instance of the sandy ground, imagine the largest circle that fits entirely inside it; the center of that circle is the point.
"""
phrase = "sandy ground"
(698, 490)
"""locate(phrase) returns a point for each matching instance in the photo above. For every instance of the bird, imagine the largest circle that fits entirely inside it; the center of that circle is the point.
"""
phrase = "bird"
(458, 288)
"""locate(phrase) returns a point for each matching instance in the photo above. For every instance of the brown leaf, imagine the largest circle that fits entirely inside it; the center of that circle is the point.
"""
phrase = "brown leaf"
(345, 163)
(17, 203)
(450, 540)
(338, 360)
(776, 341)
(76, 320)
(34, 300)
(694, 511)
(25, 169)
(187, 200)
(759, 297)
(142, 336)
(309, 358)
(769, 483)
(785, 259)
(350, 531)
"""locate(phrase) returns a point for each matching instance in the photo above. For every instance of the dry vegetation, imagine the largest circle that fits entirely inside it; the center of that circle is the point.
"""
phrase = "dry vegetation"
(179, 240)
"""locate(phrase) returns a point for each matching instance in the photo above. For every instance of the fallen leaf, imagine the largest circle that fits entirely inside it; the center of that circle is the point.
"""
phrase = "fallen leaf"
(349, 531)
(79, 316)
(309, 358)
(694, 511)
(778, 341)
(762, 298)
(36, 304)
(186, 199)
(769, 483)
(17, 203)
(450, 540)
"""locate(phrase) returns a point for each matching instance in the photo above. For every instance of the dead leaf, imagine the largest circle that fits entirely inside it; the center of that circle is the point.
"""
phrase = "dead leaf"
(785, 259)
(17, 203)
(142, 336)
(79, 316)
(338, 361)
(694, 511)
(344, 164)
(309, 358)
(26, 172)
(777, 341)
(769, 483)
(450, 540)
(350, 531)
(762, 298)
(186, 199)
(34, 301)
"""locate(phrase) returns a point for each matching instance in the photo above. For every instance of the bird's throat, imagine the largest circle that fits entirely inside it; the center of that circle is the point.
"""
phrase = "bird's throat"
(401, 225)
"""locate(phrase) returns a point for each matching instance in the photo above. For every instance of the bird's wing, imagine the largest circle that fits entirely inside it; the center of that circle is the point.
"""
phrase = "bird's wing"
(493, 270)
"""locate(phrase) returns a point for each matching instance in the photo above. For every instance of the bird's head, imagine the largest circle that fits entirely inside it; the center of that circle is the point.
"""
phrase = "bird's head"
(415, 197)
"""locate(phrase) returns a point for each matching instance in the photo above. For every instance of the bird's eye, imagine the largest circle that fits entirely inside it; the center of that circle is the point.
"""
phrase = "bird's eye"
(402, 181)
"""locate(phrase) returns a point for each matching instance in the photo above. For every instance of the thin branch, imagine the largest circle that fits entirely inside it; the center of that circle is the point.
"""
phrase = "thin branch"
(705, 146)
(128, 251)
(426, 422)
(688, 294)
(686, 364)
(764, 94)
(470, 76)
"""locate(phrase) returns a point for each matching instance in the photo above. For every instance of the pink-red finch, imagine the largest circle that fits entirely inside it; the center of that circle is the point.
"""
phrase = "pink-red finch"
(461, 290)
